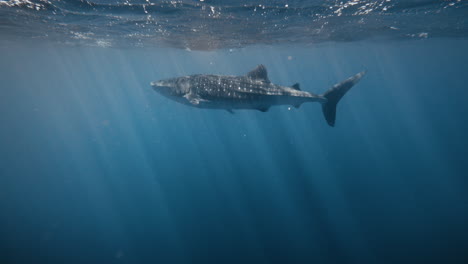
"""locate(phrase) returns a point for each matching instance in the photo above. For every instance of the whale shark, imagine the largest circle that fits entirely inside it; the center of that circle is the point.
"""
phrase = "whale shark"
(251, 91)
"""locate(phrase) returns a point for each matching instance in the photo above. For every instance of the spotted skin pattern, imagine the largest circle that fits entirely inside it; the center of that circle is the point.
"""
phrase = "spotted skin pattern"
(252, 91)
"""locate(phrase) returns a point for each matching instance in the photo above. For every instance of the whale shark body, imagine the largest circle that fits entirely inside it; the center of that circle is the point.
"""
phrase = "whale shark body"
(252, 91)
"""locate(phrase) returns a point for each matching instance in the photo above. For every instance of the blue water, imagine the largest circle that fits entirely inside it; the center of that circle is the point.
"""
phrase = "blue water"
(95, 167)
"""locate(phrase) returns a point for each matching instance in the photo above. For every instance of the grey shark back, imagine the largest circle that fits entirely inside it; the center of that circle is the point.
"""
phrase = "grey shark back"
(252, 91)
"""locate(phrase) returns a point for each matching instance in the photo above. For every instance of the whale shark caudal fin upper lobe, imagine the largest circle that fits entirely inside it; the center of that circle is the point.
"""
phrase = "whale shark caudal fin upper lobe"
(334, 95)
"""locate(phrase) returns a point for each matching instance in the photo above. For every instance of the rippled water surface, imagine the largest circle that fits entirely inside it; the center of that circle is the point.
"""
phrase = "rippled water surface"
(212, 24)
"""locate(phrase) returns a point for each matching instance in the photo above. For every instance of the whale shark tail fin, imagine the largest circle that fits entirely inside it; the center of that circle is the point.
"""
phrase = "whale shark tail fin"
(334, 95)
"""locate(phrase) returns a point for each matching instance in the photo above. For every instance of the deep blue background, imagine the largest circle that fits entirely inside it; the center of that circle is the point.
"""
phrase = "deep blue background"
(97, 168)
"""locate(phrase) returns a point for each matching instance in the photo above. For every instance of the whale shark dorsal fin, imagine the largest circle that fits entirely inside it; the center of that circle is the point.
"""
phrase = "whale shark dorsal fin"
(296, 87)
(259, 73)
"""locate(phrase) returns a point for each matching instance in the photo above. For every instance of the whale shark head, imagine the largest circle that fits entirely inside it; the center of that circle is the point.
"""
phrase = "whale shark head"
(174, 87)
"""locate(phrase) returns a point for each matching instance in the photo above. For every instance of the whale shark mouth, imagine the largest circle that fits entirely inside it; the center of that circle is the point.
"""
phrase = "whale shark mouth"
(157, 83)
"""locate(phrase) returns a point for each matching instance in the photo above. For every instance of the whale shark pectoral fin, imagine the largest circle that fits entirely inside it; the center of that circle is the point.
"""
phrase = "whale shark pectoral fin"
(259, 73)
(193, 99)
(263, 109)
(230, 111)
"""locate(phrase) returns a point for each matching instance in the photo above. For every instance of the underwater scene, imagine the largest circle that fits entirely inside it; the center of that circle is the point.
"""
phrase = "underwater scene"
(233, 131)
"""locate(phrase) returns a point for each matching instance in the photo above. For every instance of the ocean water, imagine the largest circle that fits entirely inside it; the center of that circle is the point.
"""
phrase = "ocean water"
(95, 167)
